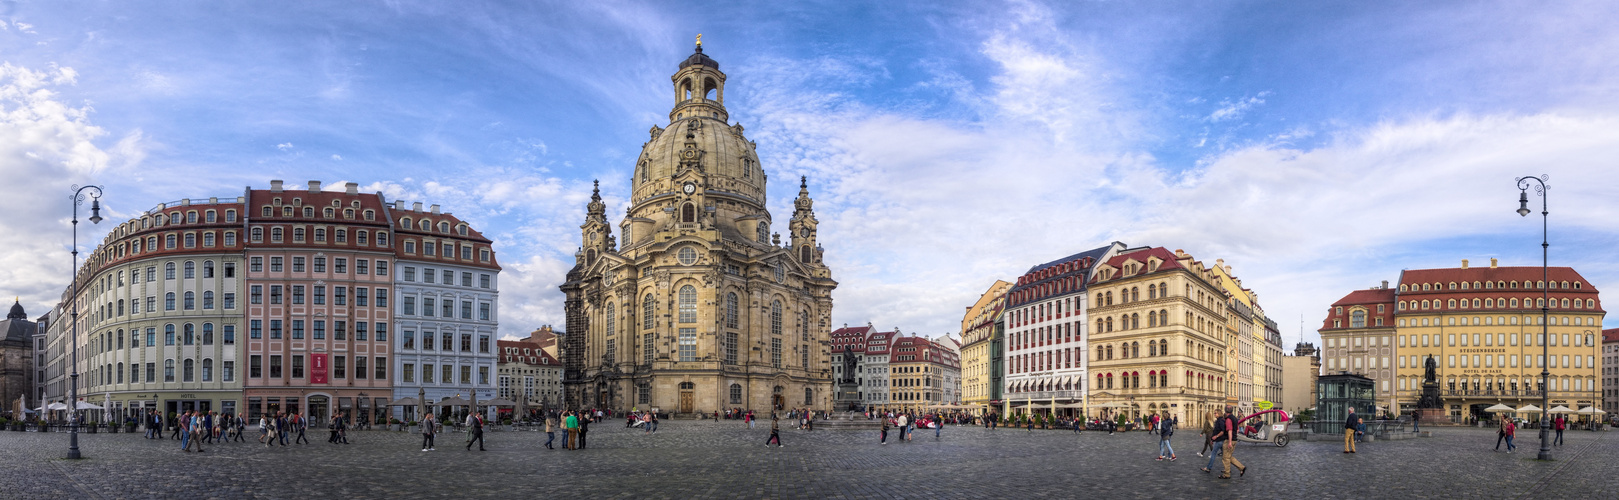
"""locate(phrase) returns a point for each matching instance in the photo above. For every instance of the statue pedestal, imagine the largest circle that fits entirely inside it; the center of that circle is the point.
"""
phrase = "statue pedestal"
(848, 397)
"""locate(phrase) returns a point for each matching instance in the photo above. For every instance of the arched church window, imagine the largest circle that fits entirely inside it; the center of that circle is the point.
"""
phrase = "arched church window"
(730, 310)
(611, 323)
(775, 317)
(647, 306)
(764, 232)
(804, 254)
(688, 213)
(688, 304)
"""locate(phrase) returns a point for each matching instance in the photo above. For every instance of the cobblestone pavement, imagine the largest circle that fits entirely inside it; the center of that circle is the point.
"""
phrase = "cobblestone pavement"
(728, 460)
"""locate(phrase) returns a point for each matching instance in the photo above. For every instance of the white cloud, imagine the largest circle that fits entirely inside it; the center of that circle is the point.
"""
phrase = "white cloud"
(337, 157)
(1231, 110)
(285, 146)
(48, 145)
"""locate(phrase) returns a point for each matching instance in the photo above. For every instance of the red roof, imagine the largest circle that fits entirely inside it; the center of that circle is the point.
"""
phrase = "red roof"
(1369, 298)
(1482, 274)
(534, 355)
(1168, 259)
(1610, 335)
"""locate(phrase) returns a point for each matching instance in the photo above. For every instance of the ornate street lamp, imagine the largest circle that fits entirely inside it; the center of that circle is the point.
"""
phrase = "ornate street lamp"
(73, 336)
(1545, 325)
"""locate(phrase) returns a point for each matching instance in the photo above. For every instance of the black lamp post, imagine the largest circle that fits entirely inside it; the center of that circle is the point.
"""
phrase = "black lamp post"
(1545, 326)
(73, 335)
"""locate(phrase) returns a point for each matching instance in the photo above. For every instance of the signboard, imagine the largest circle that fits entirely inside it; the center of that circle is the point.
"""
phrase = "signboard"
(1263, 405)
(317, 368)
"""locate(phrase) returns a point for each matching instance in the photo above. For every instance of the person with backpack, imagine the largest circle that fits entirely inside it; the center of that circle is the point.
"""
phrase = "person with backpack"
(1225, 432)
(1558, 425)
(1166, 428)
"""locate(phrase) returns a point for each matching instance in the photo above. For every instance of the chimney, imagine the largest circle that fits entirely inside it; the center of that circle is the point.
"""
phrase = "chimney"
(1464, 263)
(1492, 263)
(275, 186)
(416, 207)
(352, 188)
(1385, 284)
(314, 186)
(213, 200)
(434, 209)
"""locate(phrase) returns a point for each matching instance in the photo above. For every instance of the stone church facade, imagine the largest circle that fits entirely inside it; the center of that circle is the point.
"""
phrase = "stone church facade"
(701, 307)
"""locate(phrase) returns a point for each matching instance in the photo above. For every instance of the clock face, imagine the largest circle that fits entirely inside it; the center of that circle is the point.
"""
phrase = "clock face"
(803, 232)
(689, 188)
(689, 154)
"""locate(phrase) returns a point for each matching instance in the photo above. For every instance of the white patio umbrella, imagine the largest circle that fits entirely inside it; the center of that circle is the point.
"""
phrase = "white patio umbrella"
(1590, 410)
(1560, 409)
(1500, 408)
(1529, 409)
(57, 406)
(88, 406)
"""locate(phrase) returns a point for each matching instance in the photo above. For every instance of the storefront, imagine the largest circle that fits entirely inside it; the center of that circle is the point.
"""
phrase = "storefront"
(362, 407)
(122, 406)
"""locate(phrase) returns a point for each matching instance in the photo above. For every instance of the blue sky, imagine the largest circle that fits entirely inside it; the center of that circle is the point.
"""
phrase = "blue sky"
(1316, 147)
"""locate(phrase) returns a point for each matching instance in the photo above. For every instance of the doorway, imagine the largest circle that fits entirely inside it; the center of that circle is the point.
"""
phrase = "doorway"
(686, 401)
(318, 408)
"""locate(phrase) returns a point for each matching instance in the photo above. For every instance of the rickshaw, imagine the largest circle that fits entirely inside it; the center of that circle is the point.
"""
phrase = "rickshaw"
(1271, 433)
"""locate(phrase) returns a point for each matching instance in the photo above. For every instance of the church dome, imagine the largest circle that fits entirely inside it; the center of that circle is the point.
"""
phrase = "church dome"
(17, 312)
(699, 59)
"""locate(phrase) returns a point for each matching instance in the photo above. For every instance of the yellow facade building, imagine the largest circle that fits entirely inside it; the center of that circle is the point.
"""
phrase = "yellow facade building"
(1158, 339)
(978, 349)
(1483, 327)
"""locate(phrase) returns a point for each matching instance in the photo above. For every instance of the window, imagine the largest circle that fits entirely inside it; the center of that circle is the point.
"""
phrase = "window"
(483, 280)
(736, 394)
(688, 304)
(255, 366)
(775, 353)
(168, 370)
(466, 309)
(730, 310)
(381, 362)
(320, 329)
(297, 366)
(647, 306)
(730, 348)
(340, 265)
(255, 329)
(362, 296)
(297, 294)
(340, 330)
(340, 295)
(775, 317)
(340, 367)
(362, 266)
(483, 312)
(688, 344)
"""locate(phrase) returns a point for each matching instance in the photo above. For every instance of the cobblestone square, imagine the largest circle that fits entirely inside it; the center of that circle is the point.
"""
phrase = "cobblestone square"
(728, 460)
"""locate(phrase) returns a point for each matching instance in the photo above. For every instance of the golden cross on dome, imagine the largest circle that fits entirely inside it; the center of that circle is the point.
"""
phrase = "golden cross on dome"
(699, 39)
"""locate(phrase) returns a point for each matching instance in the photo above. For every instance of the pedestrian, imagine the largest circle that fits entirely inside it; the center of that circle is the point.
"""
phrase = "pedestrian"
(938, 425)
(1511, 430)
(475, 431)
(775, 432)
(1501, 433)
(1225, 429)
(749, 419)
(1558, 425)
(1079, 425)
(301, 424)
(198, 428)
(1415, 416)
(884, 436)
(1166, 428)
(654, 421)
(1351, 426)
(331, 427)
(1207, 433)
(550, 433)
(571, 423)
(343, 428)
(584, 429)
(428, 431)
(264, 429)
(185, 427)
(1152, 424)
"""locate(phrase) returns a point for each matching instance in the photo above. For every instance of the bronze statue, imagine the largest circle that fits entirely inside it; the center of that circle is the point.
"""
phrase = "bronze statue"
(1429, 365)
(848, 364)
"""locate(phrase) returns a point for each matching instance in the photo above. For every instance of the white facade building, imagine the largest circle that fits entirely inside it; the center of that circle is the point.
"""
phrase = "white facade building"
(1046, 341)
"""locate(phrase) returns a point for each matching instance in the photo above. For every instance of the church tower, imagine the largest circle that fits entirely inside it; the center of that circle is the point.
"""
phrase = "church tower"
(699, 307)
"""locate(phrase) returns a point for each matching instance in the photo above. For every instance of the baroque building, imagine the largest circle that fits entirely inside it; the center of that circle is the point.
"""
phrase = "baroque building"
(1046, 339)
(980, 384)
(702, 306)
(16, 359)
(1159, 341)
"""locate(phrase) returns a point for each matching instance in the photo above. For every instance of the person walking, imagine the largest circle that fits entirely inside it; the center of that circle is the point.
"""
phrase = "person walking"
(264, 428)
(1351, 426)
(475, 431)
(343, 428)
(881, 440)
(301, 424)
(748, 419)
(550, 433)
(429, 430)
(571, 423)
(1166, 428)
(1415, 417)
(938, 425)
(1558, 425)
(899, 425)
(1208, 434)
(331, 428)
(1225, 432)
(185, 439)
(1511, 430)
(198, 429)
(775, 432)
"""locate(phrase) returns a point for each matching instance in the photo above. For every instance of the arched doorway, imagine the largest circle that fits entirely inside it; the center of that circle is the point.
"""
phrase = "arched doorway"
(688, 397)
(777, 400)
